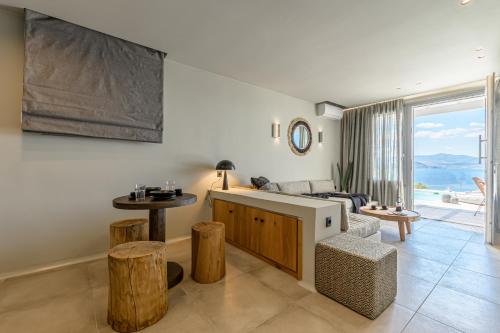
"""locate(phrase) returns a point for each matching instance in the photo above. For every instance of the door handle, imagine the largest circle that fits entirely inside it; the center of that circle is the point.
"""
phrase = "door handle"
(480, 157)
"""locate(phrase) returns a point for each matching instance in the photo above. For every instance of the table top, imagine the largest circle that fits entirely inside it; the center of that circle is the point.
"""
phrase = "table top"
(182, 200)
(388, 214)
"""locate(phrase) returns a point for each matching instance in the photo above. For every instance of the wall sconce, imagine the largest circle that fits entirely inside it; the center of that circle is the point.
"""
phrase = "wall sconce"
(320, 136)
(275, 130)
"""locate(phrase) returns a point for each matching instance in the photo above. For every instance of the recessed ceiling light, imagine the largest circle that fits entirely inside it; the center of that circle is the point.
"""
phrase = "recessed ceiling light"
(465, 2)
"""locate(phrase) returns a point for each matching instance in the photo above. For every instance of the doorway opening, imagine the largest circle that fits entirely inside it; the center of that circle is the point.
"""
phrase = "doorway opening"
(448, 161)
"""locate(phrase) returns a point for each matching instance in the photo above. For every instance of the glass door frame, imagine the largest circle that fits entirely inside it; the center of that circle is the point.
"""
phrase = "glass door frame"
(408, 129)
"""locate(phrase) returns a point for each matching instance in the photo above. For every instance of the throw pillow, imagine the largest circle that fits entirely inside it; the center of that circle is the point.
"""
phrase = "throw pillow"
(271, 187)
(259, 182)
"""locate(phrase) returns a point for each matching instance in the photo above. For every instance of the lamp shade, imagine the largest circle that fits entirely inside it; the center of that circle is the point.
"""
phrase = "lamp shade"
(225, 165)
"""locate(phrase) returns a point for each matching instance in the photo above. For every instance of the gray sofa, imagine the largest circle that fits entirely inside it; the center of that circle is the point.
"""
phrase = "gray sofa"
(351, 223)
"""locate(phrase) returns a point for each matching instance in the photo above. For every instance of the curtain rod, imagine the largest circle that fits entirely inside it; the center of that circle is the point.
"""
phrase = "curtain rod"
(468, 85)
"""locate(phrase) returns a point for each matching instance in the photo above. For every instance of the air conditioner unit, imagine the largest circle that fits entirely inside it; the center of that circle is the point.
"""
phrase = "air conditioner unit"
(329, 110)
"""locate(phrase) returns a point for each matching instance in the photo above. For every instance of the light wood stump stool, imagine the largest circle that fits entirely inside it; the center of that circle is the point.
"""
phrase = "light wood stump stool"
(208, 262)
(131, 230)
(137, 285)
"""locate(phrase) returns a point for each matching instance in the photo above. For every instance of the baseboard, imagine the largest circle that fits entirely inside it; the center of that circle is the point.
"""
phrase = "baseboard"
(177, 239)
(52, 266)
(307, 286)
(69, 262)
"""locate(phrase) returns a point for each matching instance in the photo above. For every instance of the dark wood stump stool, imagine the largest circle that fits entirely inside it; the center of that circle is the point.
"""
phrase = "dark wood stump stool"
(137, 285)
(130, 230)
(208, 257)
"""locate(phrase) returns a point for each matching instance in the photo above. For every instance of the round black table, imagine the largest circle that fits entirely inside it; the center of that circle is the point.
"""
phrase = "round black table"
(157, 223)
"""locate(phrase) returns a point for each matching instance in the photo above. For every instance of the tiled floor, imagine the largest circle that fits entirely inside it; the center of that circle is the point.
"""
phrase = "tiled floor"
(448, 282)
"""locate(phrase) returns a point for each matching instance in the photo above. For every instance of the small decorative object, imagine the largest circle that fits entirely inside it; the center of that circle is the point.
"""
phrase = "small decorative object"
(299, 136)
(131, 196)
(225, 165)
(399, 205)
(374, 207)
(178, 191)
(170, 185)
(163, 195)
(384, 207)
(275, 130)
(140, 192)
(152, 188)
(345, 177)
(320, 136)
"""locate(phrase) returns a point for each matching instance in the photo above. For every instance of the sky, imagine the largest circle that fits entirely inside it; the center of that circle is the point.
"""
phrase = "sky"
(451, 133)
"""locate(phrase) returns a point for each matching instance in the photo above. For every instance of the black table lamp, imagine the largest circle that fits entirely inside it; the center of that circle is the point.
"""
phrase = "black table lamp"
(225, 165)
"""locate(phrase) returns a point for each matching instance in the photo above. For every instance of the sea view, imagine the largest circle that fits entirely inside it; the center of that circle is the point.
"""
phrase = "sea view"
(447, 172)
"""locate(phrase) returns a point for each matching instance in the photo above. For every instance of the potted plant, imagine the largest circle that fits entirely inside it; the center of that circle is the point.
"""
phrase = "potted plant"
(345, 176)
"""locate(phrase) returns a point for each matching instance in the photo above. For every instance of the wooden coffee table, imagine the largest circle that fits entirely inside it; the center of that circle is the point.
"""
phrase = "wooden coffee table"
(389, 215)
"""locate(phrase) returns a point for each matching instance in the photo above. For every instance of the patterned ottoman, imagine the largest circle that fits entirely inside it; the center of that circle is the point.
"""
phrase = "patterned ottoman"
(358, 273)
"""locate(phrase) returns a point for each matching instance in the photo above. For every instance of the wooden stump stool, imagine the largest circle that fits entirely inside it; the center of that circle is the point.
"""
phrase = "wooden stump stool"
(208, 262)
(137, 285)
(131, 230)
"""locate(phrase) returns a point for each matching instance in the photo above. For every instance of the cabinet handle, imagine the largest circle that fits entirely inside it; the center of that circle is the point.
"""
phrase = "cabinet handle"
(255, 219)
(261, 220)
(230, 212)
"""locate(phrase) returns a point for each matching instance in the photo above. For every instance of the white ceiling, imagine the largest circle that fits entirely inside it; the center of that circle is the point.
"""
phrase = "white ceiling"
(349, 52)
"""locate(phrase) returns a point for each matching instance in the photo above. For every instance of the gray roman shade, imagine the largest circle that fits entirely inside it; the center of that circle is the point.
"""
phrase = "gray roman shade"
(79, 81)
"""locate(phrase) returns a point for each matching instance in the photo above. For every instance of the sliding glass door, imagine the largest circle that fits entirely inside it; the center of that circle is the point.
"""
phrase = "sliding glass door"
(444, 176)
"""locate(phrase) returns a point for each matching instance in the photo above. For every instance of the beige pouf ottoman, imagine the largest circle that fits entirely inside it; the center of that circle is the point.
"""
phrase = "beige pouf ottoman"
(358, 273)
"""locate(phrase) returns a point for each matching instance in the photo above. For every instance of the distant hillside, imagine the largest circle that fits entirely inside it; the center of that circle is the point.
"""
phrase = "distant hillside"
(446, 161)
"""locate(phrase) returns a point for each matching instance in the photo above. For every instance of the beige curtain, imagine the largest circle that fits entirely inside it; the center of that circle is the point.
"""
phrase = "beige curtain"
(372, 140)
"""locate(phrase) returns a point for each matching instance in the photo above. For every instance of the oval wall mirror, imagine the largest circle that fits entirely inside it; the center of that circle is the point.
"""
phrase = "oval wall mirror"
(299, 136)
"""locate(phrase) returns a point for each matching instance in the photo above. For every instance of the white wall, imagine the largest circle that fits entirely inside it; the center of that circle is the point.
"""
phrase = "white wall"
(56, 192)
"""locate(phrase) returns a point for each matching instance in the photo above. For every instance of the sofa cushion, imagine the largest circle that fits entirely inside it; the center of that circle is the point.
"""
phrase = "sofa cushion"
(346, 208)
(322, 186)
(271, 187)
(362, 225)
(299, 187)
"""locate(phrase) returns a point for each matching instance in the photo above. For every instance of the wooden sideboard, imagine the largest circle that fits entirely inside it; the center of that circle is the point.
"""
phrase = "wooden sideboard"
(273, 237)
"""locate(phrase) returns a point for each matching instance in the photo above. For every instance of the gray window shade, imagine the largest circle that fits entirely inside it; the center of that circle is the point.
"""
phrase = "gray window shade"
(79, 81)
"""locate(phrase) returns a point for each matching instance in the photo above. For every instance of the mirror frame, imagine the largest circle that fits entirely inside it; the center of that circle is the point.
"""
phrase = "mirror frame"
(294, 124)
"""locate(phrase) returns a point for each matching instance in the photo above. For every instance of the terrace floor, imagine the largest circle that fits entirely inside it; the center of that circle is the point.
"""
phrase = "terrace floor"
(448, 281)
(461, 213)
